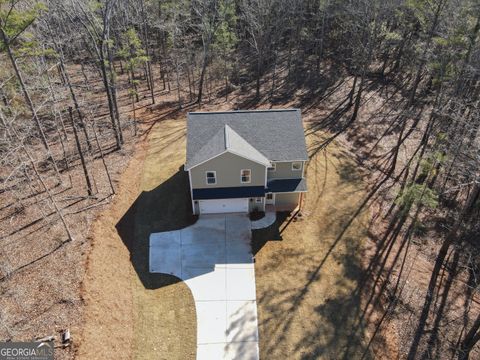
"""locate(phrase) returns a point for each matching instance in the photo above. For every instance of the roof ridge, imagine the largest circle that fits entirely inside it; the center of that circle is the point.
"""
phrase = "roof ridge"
(241, 111)
(232, 138)
(227, 138)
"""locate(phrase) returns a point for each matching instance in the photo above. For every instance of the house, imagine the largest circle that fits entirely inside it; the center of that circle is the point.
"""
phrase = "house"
(241, 161)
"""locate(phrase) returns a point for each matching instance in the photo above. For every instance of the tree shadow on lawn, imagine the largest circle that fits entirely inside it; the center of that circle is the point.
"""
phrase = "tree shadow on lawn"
(309, 304)
(299, 308)
(272, 233)
(165, 208)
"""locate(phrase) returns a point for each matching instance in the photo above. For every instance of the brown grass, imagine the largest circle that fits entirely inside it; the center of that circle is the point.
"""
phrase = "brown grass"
(306, 282)
(305, 309)
(308, 267)
(130, 312)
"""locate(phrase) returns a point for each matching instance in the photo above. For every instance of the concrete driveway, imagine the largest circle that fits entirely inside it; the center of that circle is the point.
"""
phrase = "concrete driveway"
(214, 258)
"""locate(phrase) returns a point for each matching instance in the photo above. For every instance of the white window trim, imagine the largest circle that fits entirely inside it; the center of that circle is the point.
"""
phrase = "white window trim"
(249, 177)
(206, 177)
(297, 162)
(272, 168)
(272, 200)
(258, 200)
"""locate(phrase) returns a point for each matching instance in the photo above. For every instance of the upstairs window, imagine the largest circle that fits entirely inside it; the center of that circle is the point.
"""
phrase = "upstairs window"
(245, 176)
(211, 177)
(296, 166)
(273, 167)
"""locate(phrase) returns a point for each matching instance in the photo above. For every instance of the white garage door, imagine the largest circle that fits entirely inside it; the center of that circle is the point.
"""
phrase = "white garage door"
(223, 206)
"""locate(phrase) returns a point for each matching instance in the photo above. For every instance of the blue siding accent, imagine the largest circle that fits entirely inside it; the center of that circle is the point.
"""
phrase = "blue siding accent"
(228, 193)
(286, 185)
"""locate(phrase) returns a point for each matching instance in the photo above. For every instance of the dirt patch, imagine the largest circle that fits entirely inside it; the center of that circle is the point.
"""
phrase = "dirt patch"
(130, 312)
(107, 288)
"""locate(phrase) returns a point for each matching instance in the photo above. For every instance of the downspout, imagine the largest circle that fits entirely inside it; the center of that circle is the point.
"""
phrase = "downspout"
(264, 195)
(191, 191)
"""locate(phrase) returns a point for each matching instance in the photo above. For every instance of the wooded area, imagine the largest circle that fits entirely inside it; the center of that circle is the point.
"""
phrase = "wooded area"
(405, 75)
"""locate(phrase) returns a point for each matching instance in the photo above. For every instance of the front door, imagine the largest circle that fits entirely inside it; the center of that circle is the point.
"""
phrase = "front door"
(270, 198)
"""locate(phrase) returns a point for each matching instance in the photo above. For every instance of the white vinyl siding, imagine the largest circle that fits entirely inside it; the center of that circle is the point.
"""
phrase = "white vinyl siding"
(283, 170)
(227, 168)
(286, 201)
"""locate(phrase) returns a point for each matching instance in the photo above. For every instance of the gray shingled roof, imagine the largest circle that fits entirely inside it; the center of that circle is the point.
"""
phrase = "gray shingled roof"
(227, 139)
(276, 134)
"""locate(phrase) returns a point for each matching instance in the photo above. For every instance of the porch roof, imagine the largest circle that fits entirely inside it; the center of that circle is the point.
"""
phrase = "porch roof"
(287, 185)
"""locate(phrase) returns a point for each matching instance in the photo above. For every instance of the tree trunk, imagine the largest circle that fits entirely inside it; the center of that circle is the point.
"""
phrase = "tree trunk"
(319, 47)
(257, 86)
(147, 51)
(6, 42)
(399, 55)
(134, 117)
(84, 74)
(103, 156)
(113, 90)
(54, 98)
(423, 59)
(202, 76)
(75, 102)
(442, 254)
(80, 153)
(225, 69)
(352, 91)
(190, 93)
(439, 312)
(272, 90)
(470, 340)
(109, 97)
(177, 71)
(358, 100)
(40, 178)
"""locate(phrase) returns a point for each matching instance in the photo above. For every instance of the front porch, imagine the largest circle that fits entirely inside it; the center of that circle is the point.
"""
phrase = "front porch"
(267, 220)
(291, 201)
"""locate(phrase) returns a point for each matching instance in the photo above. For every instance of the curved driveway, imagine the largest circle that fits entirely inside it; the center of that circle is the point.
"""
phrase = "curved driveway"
(214, 258)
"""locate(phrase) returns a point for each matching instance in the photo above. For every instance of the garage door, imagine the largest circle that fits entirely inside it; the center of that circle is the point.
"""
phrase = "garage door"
(223, 206)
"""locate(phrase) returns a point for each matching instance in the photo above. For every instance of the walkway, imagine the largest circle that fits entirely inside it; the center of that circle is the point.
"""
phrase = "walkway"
(214, 258)
(267, 220)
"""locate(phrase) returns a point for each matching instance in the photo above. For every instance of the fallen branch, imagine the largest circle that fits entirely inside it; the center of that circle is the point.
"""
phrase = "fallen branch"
(36, 260)
(91, 206)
